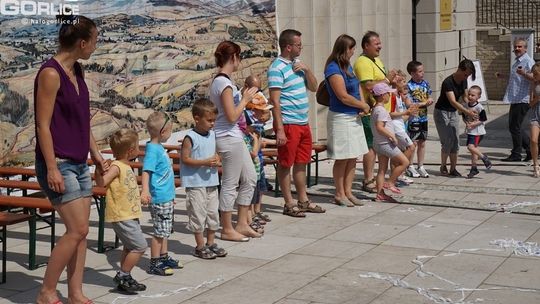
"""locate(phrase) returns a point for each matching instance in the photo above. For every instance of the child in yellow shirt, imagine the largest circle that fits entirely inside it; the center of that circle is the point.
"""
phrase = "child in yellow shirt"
(123, 206)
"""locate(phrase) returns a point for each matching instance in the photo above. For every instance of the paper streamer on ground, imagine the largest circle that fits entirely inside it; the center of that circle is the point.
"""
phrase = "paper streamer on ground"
(433, 294)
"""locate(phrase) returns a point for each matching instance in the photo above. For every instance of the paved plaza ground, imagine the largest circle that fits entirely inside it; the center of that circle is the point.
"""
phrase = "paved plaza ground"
(438, 246)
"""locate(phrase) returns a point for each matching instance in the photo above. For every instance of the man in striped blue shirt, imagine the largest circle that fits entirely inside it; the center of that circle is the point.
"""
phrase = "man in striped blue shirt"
(517, 95)
(288, 81)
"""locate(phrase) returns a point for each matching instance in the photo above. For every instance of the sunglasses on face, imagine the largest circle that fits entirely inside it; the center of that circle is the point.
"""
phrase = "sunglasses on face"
(165, 123)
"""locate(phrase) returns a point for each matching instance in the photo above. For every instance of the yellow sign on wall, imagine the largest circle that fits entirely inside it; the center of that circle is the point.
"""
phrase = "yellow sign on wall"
(446, 15)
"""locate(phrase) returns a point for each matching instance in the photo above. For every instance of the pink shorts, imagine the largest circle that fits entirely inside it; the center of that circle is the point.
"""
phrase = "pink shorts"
(297, 150)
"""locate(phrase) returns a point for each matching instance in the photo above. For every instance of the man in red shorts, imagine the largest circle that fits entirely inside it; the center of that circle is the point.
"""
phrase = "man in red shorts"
(288, 81)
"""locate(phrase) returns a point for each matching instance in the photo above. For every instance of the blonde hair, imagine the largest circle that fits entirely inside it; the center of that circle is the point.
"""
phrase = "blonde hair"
(121, 141)
(155, 122)
(536, 68)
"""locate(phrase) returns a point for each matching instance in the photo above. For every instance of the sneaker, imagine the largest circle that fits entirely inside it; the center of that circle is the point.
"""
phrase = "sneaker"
(422, 172)
(455, 173)
(411, 172)
(220, 252)
(204, 253)
(405, 180)
(487, 162)
(159, 269)
(474, 171)
(128, 284)
(171, 263)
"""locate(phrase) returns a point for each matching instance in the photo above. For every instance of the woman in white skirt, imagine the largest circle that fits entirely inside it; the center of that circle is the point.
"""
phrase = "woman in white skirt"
(346, 140)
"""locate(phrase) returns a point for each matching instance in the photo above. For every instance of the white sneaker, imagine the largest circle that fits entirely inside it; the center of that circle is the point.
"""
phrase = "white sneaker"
(404, 179)
(411, 172)
(422, 172)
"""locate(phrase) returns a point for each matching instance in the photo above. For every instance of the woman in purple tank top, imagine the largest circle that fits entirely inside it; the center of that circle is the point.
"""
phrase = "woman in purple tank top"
(64, 138)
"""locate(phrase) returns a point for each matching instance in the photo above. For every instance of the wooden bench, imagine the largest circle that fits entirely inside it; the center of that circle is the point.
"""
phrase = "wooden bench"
(98, 194)
(7, 219)
(270, 158)
(31, 205)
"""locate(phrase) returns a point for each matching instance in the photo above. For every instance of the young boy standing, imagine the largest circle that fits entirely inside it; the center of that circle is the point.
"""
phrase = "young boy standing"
(475, 130)
(123, 208)
(419, 91)
(158, 189)
(200, 177)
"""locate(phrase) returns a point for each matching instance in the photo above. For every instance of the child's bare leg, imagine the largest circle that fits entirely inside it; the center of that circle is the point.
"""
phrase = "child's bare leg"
(129, 260)
(210, 237)
(400, 162)
(420, 152)
(156, 246)
(199, 239)
(535, 131)
(257, 206)
(383, 165)
(475, 154)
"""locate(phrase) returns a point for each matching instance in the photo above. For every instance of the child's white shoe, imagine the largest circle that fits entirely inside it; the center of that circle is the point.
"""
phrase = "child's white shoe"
(422, 172)
(411, 172)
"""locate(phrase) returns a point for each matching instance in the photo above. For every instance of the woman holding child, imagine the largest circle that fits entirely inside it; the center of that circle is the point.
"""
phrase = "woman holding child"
(238, 169)
(346, 140)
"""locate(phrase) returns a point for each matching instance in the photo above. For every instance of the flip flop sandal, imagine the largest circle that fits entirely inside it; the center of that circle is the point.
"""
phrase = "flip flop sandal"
(392, 188)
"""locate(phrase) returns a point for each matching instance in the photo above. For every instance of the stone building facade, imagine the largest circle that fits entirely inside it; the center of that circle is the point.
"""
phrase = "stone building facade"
(322, 21)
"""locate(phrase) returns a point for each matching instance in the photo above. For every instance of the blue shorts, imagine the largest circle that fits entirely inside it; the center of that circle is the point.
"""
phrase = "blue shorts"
(77, 181)
(162, 217)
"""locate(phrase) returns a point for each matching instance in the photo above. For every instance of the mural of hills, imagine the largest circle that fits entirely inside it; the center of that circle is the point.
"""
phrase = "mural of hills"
(151, 55)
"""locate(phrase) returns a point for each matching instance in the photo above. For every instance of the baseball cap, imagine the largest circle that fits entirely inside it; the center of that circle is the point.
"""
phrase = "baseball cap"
(382, 88)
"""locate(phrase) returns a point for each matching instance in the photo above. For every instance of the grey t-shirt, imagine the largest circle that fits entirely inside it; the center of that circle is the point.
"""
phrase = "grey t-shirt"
(379, 113)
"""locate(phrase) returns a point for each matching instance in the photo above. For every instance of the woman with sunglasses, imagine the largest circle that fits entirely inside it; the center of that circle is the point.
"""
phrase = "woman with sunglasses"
(238, 170)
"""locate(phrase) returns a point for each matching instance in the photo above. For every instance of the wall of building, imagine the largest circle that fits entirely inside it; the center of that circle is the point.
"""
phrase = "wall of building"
(438, 50)
(493, 50)
(322, 21)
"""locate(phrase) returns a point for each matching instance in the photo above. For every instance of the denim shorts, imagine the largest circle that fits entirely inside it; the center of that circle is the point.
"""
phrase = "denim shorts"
(77, 181)
(162, 216)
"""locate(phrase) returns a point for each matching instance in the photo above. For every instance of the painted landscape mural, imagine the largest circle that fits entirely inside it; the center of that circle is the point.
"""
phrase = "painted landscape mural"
(151, 55)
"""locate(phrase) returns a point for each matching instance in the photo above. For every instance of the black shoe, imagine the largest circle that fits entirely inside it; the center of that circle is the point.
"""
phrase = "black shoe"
(487, 162)
(512, 158)
(473, 172)
(455, 173)
(128, 284)
(527, 158)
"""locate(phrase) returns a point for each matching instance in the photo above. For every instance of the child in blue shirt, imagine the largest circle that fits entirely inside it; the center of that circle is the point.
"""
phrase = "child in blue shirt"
(158, 190)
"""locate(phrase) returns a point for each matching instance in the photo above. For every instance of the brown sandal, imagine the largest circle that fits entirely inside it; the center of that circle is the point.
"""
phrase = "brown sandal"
(293, 211)
(369, 186)
(304, 206)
